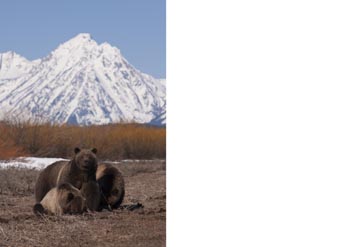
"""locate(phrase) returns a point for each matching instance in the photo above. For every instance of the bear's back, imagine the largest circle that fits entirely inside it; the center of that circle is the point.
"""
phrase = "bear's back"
(48, 179)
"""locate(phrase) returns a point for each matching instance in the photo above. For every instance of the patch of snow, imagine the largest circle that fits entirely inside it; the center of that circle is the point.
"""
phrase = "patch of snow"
(28, 162)
(41, 163)
(137, 161)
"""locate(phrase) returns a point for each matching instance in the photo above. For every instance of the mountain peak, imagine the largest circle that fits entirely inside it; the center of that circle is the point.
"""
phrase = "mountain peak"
(10, 54)
(82, 36)
(13, 65)
(81, 40)
(78, 46)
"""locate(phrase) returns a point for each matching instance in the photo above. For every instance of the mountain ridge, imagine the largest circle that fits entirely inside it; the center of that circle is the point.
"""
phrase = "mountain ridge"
(80, 82)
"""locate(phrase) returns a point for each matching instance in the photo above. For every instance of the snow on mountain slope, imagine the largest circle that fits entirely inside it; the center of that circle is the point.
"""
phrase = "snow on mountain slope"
(159, 120)
(81, 82)
(13, 65)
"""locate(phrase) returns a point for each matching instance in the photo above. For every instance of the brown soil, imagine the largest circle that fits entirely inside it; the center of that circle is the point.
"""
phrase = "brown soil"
(145, 184)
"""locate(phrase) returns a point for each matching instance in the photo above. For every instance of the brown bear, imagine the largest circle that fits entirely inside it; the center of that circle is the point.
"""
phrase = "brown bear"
(111, 184)
(81, 169)
(91, 191)
(63, 199)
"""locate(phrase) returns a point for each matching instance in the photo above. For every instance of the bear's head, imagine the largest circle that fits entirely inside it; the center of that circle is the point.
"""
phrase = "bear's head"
(85, 159)
(71, 200)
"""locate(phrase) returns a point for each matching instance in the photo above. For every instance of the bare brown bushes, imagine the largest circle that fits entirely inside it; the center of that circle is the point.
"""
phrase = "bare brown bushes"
(8, 147)
(114, 142)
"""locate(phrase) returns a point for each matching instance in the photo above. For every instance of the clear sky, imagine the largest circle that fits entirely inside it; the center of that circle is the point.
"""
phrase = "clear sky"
(137, 27)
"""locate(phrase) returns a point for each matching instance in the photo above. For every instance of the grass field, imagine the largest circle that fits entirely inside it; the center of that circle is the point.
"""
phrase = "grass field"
(145, 183)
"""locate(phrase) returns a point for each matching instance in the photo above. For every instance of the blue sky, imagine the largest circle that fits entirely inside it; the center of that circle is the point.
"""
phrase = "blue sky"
(137, 27)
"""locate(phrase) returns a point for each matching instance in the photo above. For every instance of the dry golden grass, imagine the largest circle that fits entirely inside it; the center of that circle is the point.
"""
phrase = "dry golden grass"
(17, 181)
(114, 142)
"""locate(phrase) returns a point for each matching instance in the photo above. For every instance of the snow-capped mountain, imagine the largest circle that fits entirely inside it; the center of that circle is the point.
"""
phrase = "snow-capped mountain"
(80, 82)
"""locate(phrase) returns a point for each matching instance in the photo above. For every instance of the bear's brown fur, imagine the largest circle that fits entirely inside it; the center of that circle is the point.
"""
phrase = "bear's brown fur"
(91, 191)
(63, 199)
(81, 169)
(111, 184)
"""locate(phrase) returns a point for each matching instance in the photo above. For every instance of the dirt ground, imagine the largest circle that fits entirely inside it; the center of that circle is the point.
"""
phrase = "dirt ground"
(145, 183)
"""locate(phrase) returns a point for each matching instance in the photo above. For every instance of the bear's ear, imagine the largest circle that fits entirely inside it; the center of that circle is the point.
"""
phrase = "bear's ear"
(94, 150)
(76, 150)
